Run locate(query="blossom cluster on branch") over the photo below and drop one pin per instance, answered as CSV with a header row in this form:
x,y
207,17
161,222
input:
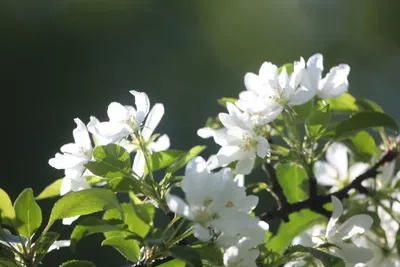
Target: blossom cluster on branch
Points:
x,y
325,155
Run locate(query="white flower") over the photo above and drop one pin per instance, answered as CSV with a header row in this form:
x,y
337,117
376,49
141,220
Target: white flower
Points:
x,y
388,223
332,85
213,200
381,258
74,157
269,92
241,255
335,170
242,142
337,235
126,121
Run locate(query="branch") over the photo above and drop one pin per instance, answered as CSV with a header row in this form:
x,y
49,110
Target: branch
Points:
x,y
316,202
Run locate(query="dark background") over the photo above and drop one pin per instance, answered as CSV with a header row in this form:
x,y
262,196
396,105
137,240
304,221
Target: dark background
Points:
x,y
65,59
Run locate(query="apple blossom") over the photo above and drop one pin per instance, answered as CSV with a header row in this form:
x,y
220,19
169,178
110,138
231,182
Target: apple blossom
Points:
x,y
242,142
241,255
335,170
334,84
337,235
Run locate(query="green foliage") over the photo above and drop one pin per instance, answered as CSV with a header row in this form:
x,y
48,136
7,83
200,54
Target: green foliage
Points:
x,y
326,259
224,100
303,111
344,103
317,121
27,213
111,161
187,254
362,144
129,248
76,263
210,253
125,184
7,212
298,223
173,263
368,105
364,120
289,68
43,245
138,217
182,161
53,190
290,177
93,225
82,203
162,159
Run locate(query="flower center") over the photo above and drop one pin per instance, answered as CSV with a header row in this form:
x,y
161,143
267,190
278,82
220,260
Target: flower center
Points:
x,y
248,143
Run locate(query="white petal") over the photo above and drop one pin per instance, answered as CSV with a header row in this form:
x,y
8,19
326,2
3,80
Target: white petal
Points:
x,y
248,204
325,173
69,221
262,147
301,96
201,233
315,67
239,179
268,71
142,103
228,154
160,144
59,244
337,212
153,119
212,162
357,169
245,165
252,82
71,148
337,156
195,166
283,80
81,135
352,254
206,132
178,206
66,161
356,224
117,112
139,163
74,185
335,83
111,132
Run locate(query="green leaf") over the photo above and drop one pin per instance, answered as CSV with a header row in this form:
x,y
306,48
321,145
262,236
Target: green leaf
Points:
x,y
298,223
173,263
187,254
28,213
83,202
327,260
364,120
210,253
398,242
53,190
94,225
345,102
363,143
290,177
10,263
129,248
111,161
113,215
368,105
164,158
125,184
182,161
303,111
43,245
6,253
317,121
224,100
76,263
133,220
7,212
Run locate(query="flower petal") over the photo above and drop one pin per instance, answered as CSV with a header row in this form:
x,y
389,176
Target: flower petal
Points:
x,y
142,103
356,224
352,254
245,165
228,154
69,221
335,82
178,206
153,119
315,66
201,233
337,212
139,163
262,146
117,112
325,173
160,144
337,156
357,169
81,135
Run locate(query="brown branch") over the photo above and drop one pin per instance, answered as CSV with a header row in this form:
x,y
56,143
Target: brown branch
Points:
x,y
316,202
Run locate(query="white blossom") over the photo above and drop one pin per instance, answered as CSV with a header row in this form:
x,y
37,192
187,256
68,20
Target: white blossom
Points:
x,y
335,170
338,234
242,141
334,84
127,122
241,255
213,201
270,91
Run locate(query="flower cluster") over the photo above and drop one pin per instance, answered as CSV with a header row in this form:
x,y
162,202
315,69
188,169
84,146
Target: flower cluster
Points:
x,y
127,126
219,209
245,132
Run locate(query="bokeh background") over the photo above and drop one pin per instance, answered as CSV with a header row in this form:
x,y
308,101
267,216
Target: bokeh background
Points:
x,y
62,59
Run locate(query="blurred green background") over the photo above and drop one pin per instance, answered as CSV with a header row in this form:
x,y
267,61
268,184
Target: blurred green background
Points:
x,y
71,58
